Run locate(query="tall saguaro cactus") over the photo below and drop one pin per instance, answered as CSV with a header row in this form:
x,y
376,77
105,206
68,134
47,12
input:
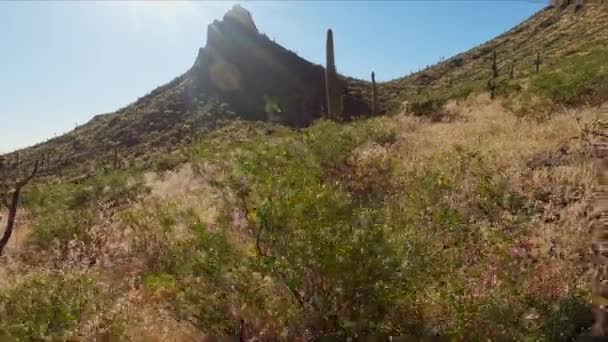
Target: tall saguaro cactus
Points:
x,y
115,158
538,62
374,95
334,103
492,81
494,65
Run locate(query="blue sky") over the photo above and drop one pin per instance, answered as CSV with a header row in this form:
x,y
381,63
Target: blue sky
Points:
x,y
61,63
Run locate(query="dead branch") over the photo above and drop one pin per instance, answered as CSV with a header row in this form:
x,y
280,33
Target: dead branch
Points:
x,y
12,207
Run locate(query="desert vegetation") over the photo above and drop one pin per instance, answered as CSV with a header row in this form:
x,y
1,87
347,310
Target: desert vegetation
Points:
x,y
390,226
461,215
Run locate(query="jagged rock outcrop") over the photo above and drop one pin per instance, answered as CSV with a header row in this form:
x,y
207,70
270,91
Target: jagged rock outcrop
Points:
x,y
247,68
239,73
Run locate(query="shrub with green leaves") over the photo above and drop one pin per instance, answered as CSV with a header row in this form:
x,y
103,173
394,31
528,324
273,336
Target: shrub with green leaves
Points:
x,y
64,226
299,250
426,105
65,210
50,305
318,259
333,255
207,280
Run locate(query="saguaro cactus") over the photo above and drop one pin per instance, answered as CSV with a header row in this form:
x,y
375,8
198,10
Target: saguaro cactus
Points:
x,y
538,62
512,71
494,66
492,88
115,158
374,95
492,81
48,160
334,102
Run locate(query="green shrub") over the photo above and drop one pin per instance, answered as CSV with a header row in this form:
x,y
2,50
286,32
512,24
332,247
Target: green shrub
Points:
x,y
495,196
426,105
463,91
50,305
334,255
63,226
207,281
508,87
327,258
320,257
64,211
116,186
567,320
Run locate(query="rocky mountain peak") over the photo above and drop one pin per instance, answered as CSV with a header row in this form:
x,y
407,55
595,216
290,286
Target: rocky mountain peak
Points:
x,y
247,69
241,16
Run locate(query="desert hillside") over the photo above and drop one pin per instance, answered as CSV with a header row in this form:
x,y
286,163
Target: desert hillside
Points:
x,y
267,75
449,215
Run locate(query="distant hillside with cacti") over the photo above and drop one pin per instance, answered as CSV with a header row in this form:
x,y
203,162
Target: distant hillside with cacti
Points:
x,y
227,83
239,74
549,40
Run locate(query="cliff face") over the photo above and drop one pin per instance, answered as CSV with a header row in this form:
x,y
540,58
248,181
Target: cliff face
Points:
x,y
248,70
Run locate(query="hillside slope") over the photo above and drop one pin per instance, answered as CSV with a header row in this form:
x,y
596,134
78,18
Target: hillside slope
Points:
x,y
240,70
558,34
237,74
473,230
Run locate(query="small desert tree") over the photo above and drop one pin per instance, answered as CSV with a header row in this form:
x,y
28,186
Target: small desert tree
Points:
x,y
12,204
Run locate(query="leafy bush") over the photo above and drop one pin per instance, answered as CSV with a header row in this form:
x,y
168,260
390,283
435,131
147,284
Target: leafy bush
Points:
x,y
334,255
64,226
207,280
508,87
327,261
50,305
64,211
567,320
116,186
461,92
426,105
350,265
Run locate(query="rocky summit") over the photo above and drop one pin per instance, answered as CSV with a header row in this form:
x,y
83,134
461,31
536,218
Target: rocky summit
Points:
x,y
248,70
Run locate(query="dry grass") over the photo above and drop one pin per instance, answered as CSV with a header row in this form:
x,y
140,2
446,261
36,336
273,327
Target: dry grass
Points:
x,y
487,128
552,245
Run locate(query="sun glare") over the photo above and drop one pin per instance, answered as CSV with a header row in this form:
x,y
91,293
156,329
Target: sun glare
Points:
x,y
170,13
